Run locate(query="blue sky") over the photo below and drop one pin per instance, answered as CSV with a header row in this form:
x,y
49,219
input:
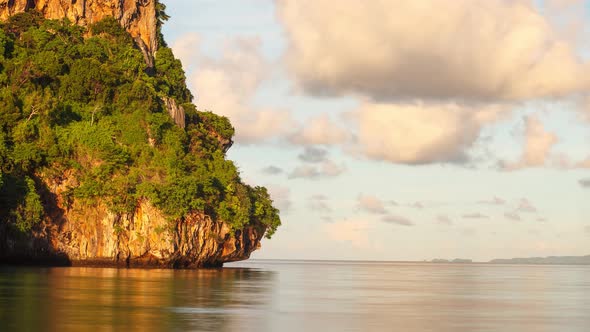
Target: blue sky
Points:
x,y
458,136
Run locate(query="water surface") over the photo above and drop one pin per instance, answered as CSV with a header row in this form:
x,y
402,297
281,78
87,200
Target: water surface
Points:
x,y
299,296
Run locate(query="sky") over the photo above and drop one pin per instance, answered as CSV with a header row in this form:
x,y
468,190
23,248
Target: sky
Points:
x,y
402,129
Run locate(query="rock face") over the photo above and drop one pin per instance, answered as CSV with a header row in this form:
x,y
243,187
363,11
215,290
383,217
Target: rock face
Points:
x,y
138,17
175,111
91,235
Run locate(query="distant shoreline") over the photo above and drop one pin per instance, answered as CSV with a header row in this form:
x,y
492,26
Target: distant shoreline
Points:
x,y
550,260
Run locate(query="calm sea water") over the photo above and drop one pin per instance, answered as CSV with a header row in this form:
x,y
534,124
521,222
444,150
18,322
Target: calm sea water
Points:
x,y
299,296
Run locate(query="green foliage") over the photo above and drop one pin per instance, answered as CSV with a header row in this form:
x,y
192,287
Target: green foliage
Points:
x,y
20,202
19,23
161,17
88,107
110,28
170,77
218,124
30,210
264,211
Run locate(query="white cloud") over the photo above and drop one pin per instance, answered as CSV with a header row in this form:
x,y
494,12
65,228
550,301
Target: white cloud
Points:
x,y
313,155
281,197
272,170
319,203
398,220
584,164
405,49
186,49
537,148
526,206
331,169
475,215
320,130
228,84
443,219
371,204
494,201
421,133
512,216
417,205
569,18
326,169
353,231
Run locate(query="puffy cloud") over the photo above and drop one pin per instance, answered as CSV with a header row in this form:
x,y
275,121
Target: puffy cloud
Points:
x,y
352,231
186,49
494,201
227,86
585,183
569,17
417,205
327,219
272,170
305,172
467,231
371,204
476,215
398,220
445,220
421,133
538,145
404,49
526,206
331,169
584,164
582,105
313,155
319,203
320,130
512,216
281,197
326,169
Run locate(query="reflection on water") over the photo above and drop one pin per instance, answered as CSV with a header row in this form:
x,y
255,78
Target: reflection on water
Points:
x,y
299,296
74,299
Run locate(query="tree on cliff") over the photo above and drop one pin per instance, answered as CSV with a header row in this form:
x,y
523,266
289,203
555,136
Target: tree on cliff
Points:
x,y
86,107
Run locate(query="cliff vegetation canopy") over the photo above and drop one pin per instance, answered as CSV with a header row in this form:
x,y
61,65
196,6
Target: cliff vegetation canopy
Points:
x,y
88,108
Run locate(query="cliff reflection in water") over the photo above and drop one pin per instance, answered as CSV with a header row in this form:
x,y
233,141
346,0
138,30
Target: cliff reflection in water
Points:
x,y
294,296
77,299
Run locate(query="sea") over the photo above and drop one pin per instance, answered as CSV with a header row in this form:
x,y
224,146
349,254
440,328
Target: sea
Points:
x,y
261,295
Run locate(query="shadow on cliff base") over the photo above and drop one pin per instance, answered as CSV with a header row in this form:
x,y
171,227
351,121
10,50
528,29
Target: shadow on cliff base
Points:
x,y
28,248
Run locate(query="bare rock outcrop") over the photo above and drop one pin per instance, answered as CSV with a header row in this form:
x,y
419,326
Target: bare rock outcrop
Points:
x,y
138,17
90,234
175,111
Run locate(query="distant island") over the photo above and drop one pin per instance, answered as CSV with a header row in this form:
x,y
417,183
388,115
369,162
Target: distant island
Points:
x,y
454,261
551,260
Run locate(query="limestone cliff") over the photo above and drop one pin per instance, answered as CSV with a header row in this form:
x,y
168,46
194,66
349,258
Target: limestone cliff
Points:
x,y
138,17
89,234
99,134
